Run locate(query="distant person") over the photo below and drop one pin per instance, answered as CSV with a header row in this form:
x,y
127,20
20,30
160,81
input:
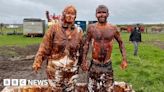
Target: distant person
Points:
x,y
101,34
135,37
1,27
62,46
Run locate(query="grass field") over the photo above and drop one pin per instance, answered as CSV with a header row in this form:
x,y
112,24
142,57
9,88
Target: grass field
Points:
x,y
145,71
18,40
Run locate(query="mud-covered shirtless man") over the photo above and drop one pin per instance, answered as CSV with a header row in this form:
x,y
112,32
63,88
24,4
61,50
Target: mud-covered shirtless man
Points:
x,y
101,34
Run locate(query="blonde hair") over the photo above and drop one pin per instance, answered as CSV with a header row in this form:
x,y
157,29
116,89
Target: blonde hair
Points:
x,y
68,7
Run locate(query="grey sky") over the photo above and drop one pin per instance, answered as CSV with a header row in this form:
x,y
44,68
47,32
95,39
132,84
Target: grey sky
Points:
x,y
121,11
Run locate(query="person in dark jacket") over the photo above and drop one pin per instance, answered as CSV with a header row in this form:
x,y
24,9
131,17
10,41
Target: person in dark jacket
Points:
x,y
135,37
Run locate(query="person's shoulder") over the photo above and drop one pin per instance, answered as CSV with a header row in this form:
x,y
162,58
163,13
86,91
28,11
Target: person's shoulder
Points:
x,y
54,28
58,24
112,26
92,26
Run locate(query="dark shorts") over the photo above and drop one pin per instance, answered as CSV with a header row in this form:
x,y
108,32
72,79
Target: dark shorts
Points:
x,y
100,77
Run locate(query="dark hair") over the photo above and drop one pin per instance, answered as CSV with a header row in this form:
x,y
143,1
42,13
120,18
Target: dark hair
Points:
x,y
101,7
135,28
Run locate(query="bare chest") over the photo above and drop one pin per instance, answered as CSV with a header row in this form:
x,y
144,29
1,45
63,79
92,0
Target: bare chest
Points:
x,y
103,35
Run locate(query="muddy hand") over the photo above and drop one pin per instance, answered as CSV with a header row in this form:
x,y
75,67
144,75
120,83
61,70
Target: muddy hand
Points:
x,y
124,64
84,66
36,67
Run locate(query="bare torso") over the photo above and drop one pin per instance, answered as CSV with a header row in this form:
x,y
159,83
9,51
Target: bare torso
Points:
x,y
102,37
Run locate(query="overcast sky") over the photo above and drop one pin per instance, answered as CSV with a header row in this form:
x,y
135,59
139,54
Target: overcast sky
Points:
x,y
121,11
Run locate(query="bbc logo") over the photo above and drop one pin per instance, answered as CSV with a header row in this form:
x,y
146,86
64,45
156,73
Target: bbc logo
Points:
x,y
6,82
14,82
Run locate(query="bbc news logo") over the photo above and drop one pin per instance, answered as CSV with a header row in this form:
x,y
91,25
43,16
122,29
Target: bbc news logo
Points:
x,y
23,82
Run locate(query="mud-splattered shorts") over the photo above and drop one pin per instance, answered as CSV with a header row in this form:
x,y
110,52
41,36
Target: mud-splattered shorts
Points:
x,y
100,77
62,75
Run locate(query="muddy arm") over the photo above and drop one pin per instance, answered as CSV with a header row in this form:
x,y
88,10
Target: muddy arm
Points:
x,y
81,48
86,47
45,47
124,63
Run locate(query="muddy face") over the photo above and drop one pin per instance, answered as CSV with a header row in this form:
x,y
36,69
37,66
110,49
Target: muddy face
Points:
x,y
102,14
70,15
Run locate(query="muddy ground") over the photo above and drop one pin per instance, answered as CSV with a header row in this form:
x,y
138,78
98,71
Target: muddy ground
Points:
x,y
16,63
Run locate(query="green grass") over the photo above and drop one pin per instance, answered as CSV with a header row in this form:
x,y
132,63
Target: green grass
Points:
x,y
145,37
18,40
145,72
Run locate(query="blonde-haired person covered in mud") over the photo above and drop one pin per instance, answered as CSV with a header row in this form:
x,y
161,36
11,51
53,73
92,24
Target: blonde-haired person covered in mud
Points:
x,y
62,46
101,34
